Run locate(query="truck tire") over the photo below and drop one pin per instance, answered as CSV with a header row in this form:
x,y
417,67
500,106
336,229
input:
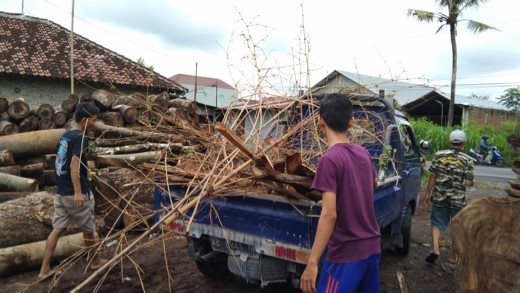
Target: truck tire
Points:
x,y
215,267
406,233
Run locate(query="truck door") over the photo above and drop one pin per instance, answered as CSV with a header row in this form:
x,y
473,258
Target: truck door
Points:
x,y
411,168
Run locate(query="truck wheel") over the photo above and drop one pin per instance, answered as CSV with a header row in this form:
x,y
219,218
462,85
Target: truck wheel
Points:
x,y
500,163
216,266
406,233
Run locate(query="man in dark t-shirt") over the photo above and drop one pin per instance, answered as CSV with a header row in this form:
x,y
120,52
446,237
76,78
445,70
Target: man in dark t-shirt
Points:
x,y
73,200
347,226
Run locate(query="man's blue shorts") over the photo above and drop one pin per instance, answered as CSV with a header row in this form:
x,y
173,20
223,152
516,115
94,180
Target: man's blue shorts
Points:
x,y
358,276
441,216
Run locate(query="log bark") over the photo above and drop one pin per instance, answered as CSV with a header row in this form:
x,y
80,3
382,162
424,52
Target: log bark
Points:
x,y
114,142
29,123
135,100
32,170
112,118
100,127
104,98
49,178
11,170
45,111
69,104
26,219
160,101
127,160
4,104
16,183
44,124
187,105
129,113
18,109
29,256
6,158
60,118
10,195
106,195
8,128
34,143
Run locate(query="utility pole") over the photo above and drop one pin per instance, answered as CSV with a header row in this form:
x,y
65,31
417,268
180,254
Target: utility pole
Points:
x,y
195,93
216,93
72,50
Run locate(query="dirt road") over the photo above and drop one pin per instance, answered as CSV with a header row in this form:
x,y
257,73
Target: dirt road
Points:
x,y
160,259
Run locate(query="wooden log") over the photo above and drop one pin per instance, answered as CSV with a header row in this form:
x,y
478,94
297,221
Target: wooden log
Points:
x,y
31,170
4,104
69,104
60,118
29,256
29,123
8,128
44,124
11,170
135,100
45,111
106,195
18,109
6,158
126,160
16,183
114,142
49,161
24,145
10,195
127,149
129,113
179,113
187,105
104,98
160,101
112,118
26,219
100,127
49,178
87,97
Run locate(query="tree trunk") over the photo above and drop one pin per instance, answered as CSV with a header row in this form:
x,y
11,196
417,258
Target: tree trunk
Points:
x,y
28,124
45,124
18,109
134,100
49,178
129,113
27,257
11,170
45,111
127,149
8,128
26,219
69,104
10,195
112,118
451,111
6,158
24,145
125,132
60,118
4,104
127,160
32,170
114,142
15,183
106,195
104,98
189,106
160,101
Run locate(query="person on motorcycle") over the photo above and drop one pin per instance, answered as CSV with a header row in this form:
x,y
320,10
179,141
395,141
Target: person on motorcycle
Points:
x,y
485,148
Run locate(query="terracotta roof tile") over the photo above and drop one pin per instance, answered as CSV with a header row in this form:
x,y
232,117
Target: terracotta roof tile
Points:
x,y
38,47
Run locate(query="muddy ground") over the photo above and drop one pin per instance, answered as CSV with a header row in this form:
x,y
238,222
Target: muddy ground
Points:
x,y
160,259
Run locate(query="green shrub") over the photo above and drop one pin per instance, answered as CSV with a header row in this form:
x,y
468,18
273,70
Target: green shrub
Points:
x,y
438,136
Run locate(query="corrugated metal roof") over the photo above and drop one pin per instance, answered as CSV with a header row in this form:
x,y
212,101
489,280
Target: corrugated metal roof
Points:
x,y
406,92
31,46
201,81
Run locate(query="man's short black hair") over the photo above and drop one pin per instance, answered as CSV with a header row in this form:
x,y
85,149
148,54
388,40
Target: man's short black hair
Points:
x,y
336,111
85,110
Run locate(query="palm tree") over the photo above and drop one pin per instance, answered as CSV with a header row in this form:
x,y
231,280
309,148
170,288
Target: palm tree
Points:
x,y
455,8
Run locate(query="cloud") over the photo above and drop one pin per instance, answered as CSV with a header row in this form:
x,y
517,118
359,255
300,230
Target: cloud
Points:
x,y
157,18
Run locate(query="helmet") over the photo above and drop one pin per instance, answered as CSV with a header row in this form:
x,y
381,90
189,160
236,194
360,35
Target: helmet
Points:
x,y
485,137
457,136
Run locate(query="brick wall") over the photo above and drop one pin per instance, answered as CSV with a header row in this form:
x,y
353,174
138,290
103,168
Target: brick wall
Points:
x,y
490,117
36,91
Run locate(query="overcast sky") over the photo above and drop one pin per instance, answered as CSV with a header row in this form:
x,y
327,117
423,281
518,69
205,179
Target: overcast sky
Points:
x,y
373,37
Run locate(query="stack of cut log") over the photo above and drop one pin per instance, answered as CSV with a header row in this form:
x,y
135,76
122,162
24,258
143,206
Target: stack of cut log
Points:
x,y
514,190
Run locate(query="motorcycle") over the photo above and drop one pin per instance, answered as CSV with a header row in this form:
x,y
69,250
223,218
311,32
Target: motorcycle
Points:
x,y
496,159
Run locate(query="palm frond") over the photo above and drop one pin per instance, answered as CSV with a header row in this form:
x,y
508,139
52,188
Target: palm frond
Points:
x,y
421,15
478,27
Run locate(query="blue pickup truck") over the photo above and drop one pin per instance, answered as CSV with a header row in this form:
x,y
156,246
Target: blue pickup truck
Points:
x,y
267,238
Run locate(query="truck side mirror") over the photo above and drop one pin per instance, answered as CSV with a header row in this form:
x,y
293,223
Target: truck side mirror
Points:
x,y
424,145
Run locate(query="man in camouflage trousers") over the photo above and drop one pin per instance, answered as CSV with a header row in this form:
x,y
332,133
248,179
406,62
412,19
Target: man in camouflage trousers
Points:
x,y
451,171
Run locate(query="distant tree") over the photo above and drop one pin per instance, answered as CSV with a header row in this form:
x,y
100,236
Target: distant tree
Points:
x,y
511,99
455,8
475,96
140,61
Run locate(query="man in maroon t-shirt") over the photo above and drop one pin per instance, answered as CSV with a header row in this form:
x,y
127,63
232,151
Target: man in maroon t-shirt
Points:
x,y
347,226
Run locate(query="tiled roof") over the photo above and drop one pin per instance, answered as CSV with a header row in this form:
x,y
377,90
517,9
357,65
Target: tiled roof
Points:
x,y
37,47
201,81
